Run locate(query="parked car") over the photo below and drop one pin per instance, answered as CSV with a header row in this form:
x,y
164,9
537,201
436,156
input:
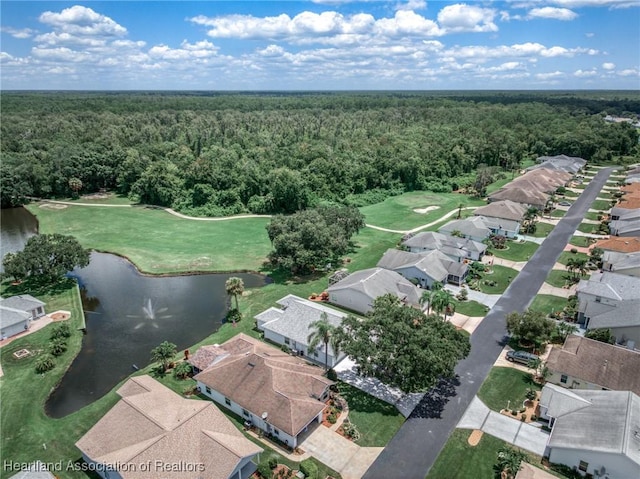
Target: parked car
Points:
x,y
564,203
522,357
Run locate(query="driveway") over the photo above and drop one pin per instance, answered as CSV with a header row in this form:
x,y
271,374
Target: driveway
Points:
x,y
482,298
417,444
509,429
340,454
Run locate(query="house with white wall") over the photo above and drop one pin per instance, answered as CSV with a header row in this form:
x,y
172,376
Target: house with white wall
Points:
x,y
583,363
17,313
458,249
593,432
274,391
621,263
424,268
154,432
473,228
359,290
290,326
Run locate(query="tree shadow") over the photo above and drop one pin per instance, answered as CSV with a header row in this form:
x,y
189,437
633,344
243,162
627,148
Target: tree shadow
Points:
x,y
283,277
433,402
37,286
366,403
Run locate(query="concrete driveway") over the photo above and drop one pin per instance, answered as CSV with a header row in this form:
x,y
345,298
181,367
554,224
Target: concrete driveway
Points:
x,y
340,454
511,430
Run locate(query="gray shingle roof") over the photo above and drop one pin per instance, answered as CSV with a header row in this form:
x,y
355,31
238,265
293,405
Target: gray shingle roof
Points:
x,y
376,282
609,423
614,286
623,315
570,164
11,316
23,302
531,197
439,241
624,214
621,261
508,210
431,264
294,319
472,227
625,227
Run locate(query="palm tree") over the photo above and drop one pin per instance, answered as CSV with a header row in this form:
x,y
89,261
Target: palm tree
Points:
x,y
324,332
234,287
427,296
529,219
440,300
164,353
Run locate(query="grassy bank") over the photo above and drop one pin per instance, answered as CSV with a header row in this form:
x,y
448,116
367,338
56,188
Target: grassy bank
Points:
x,y
158,242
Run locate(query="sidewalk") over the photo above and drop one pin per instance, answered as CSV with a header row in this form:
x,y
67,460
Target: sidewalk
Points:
x,y
546,288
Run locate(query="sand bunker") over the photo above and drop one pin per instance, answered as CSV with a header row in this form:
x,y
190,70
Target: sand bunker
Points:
x,y
97,196
53,206
425,210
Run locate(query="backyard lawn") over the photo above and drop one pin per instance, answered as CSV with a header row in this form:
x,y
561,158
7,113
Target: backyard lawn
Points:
x,y
397,212
376,420
471,308
516,250
158,242
501,276
506,386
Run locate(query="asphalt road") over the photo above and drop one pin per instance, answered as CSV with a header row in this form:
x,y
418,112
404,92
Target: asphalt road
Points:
x,y
415,447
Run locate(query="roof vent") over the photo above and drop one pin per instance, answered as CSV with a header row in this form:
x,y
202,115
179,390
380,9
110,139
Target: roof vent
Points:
x,y
251,364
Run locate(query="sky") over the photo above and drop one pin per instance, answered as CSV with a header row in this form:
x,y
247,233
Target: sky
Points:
x,y
320,45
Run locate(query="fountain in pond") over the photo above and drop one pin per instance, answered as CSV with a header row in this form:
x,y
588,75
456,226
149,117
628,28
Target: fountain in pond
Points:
x,y
150,314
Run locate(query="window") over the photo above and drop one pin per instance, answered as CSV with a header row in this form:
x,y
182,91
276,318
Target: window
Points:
x,y
315,353
208,389
275,431
245,413
563,379
583,466
227,401
598,299
286,340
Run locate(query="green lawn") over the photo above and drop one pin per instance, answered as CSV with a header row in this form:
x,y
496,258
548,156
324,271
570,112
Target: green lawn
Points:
x,y
558,213
588,228
471,308
559,278
592,216
500,276
496,185
601,205
158,242
25,426
572,194
546,303
376,420
516,250
565,256
459,460
582,241
506,386
542,230
396,212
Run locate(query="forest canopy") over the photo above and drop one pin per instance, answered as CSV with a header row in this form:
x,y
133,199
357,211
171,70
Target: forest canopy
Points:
x,y
221,154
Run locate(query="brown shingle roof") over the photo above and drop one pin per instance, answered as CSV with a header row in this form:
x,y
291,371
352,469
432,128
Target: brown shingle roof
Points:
x,y
506,209
265,379
599,363
621,244
629,203
152,423
206,356
632,189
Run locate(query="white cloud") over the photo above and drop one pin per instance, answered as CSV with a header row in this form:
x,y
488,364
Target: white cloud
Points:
x,y
608,66
589,34
629,72
20,33
549,75
188,51
406,23
79,20
596,3
412,5
481,53
467,18
552,13
585,73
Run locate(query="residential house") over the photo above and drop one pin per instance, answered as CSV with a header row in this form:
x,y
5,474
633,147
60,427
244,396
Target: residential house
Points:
x,y
359,290
528,197
624,214
290,325
424,268
153,432
567,164
532,188
503,210
621,263
206,356
625,228
610,300
619,244
628,203
458,249
593,432
17,312
473,228
274,391
583,363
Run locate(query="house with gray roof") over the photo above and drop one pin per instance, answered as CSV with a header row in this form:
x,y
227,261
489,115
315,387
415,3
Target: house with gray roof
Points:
x,y
583,363
612,301
621,263
503,210
568,164
625,227
17,312
473,228
359,290
529,197
456,248
593,432
424,268
624,214
290,325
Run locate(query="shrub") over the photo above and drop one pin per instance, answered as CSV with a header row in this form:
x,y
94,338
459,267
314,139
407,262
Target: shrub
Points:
x,y
523,417
45,363
61,330
264,470
531,394
57,346
182,370
309,469
351,431
574,250
332,418
285,349
534,417
273,462
514,412
332,375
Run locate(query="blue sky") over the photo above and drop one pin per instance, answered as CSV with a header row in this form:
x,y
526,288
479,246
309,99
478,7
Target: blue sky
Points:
x,y
320,45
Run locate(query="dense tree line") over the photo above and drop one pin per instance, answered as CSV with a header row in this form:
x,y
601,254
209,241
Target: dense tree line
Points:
x,y
218,154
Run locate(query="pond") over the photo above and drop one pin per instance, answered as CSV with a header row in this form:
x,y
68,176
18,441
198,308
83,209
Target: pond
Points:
x,y
17,225
128,314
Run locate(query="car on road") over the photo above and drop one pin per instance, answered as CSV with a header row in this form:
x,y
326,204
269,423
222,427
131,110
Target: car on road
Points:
x,y
564,203
522,357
